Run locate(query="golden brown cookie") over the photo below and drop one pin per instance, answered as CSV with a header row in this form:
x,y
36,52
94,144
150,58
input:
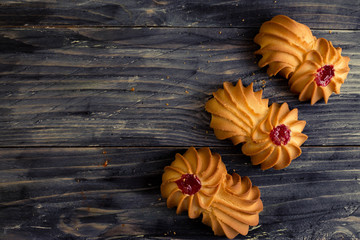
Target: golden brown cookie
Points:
x,y
322,72
199,183
276,141
271,136
235,111
314,67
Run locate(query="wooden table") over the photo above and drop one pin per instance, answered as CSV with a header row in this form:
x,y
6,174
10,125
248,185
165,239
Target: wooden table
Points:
x,y
96,97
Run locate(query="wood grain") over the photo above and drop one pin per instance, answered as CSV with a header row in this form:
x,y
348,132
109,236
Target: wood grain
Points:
x,y
316,14
147,86
68,192
96,97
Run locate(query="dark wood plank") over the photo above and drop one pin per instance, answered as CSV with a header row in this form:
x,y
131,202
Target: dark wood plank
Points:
x,y
63,193
316,14
147,87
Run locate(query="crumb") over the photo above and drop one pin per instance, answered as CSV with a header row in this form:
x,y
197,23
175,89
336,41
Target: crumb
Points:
x,y
330,31
253,74
206,131
275,1
174,233
105,164
132,89
186,91
243,20
167,77
166,104
219,32
234,170
104,152
263,82
159,199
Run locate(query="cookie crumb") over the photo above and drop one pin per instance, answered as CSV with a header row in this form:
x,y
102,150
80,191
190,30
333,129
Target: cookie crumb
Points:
x,y
186,91
330,31
263,82
132,89
105,164
166,104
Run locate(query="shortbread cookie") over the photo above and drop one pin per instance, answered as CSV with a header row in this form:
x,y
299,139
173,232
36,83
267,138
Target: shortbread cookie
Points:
x,y
276,141
322,72
271,136
314,67
235,111
199,183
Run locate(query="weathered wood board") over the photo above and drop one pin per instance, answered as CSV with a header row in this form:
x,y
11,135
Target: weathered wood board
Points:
x,y
109,87
96,97
336,14
67,192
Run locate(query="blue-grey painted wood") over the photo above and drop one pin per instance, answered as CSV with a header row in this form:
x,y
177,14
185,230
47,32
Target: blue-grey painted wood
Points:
x,y
69,193
321,14
147,86
96,97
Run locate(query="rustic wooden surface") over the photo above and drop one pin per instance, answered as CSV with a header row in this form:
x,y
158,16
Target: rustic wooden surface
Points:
x,y
96,98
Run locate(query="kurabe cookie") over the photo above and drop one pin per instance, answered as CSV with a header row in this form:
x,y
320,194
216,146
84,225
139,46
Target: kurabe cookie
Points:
x,y
198,182
272,136
314,67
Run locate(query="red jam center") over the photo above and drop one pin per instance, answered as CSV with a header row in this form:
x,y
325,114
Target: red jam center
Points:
x,y
280,135
189,184
324,75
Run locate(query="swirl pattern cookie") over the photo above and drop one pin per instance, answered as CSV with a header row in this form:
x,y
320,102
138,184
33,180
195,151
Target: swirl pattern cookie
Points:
x,y
283,44
199,183
272,136
277,139
235,111
322,72
314,67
